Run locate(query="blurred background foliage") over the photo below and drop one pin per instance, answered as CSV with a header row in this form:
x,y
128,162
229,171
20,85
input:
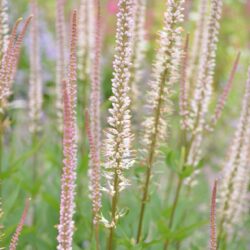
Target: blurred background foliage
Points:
x,y
17,177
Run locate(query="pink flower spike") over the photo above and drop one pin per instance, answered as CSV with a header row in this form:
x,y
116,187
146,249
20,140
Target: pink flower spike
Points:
x,y
17,50
14,240
213,245
222,99
184,113
60,54
94,172
10,60
95,94
67,205
35,84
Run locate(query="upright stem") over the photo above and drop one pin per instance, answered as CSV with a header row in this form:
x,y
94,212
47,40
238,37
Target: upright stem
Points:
x,y
169,188
143,204
1,151
176,199
113,212
34,175
179,185
221,234
97,236
150,161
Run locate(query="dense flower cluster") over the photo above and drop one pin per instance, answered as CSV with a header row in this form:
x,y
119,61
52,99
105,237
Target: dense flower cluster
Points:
x,y
10,60
118,136
118,153
15,237
200,34
86,38
203,88
35,88
61,57
183,99
213,235
4,33
138,48
94,172
234,187
94,128
67,206
166,73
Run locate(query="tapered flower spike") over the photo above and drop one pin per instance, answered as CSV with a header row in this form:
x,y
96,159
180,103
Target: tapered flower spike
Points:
x,y
5,69
15,237
61,61
86,45
183,102
203,88
138,49
118,155
67,204
166,68
213,237
200,36
118,137
165,74
95,179
94,173
234,186
17,50
222,99
35,87
10,60
95,95
4,33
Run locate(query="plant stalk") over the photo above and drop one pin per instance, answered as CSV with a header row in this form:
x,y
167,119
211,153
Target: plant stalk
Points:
x,y
97,242
150,164
176,199
1,151
34,175
113,212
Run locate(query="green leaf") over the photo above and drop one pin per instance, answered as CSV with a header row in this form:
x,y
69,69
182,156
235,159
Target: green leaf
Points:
x,y
178,234
171,160
201,164
187,171
185,232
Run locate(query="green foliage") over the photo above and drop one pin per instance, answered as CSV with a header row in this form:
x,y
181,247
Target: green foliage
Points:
x,y
16,172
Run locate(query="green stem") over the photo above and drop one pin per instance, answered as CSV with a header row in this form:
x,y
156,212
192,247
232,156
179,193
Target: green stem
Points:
x,y
221,239
150,159
1,153
34,175
113,211
97,242
169,188
172,215
143,204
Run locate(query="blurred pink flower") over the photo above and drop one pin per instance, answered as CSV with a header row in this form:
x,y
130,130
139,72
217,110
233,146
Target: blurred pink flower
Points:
x,y
112,6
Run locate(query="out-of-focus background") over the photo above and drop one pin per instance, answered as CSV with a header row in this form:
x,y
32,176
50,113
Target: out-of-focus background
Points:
x,y
17,182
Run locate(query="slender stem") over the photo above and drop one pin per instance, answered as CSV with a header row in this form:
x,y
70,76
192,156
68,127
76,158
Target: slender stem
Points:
x,y
176,199
169,188
221,234
1,151
113,211
34,175
150,160
97,242
183,218
143,204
